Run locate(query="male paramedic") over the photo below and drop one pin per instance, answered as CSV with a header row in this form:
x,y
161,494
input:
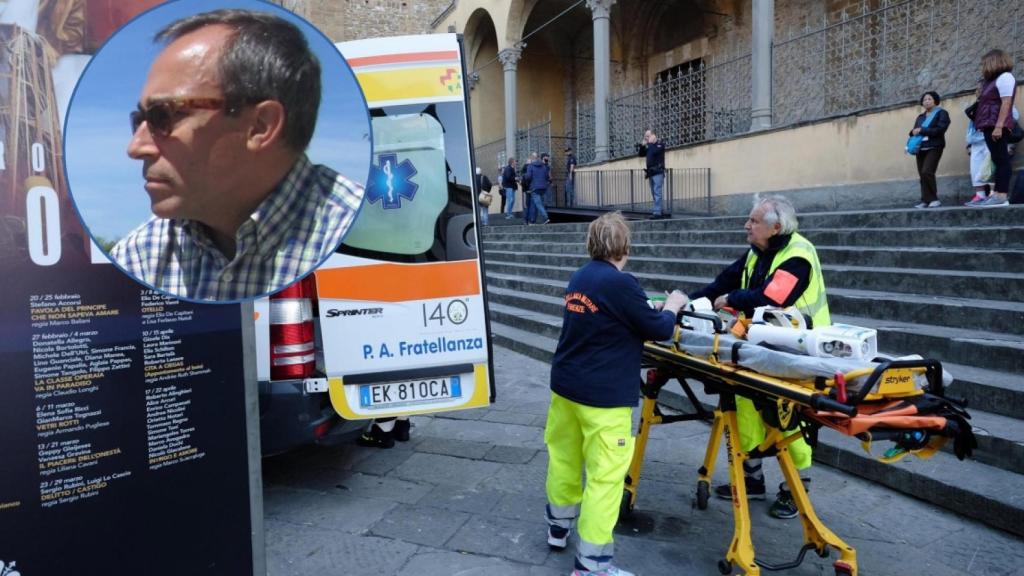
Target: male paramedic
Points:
x,y
780,269
594,386
226,113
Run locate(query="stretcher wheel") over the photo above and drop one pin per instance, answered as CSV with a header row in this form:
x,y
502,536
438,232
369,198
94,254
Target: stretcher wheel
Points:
x,y
626,505
725,567
703,491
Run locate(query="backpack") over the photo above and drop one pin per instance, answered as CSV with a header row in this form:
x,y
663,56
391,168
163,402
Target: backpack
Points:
x,y
1016,195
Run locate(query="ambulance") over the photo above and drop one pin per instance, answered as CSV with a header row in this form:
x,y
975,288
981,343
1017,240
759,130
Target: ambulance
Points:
x,y
395,322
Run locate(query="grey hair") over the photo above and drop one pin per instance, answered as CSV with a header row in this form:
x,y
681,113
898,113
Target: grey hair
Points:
x,y
265,58
777,209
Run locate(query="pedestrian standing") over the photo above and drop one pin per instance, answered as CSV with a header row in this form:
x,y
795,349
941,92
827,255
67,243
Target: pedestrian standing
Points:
x,y
594,387
527,195
653,150
929,137
994,119
570,178
484,196
538,173
509,183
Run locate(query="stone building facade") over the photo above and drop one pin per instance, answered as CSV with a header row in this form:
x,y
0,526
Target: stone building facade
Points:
x,y
686,66
343,20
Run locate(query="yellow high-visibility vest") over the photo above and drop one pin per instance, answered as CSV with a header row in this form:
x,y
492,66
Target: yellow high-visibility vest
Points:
x,y
812,303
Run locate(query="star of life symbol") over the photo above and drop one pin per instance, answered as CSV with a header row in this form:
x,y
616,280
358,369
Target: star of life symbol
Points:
x,y
8,569
390,181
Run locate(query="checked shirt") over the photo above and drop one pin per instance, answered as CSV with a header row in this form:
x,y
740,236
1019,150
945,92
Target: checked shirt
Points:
x,y
296,227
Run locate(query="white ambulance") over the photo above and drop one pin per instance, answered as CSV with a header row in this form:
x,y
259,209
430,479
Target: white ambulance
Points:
x,y
395,323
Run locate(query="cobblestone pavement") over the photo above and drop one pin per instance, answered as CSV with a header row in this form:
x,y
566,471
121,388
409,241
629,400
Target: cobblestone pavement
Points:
x,y
466,497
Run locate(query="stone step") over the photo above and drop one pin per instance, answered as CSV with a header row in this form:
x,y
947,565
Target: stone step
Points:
x,y
543,315
993,315
1004,286
996,260
998,237
992,495
999,392
957,217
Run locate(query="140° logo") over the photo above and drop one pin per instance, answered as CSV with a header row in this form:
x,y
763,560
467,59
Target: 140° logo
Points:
x,y
453,311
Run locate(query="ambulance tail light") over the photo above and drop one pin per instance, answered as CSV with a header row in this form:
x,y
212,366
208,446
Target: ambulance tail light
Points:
x,y
292,339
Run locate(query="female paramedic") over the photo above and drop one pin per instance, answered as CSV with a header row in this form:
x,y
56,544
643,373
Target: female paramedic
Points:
x,y
595,384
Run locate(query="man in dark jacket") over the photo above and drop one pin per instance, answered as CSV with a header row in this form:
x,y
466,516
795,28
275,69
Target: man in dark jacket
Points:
x,y
654,151
570,177
524,181
509,182
539,175
781,268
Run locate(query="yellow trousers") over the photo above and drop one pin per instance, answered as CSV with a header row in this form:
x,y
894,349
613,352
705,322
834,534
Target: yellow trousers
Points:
x,y
752,433
600,441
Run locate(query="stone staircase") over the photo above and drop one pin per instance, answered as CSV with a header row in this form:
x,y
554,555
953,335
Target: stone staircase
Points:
x,y
944,283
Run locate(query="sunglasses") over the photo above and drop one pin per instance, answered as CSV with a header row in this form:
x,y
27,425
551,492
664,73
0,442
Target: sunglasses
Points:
x,y
161,115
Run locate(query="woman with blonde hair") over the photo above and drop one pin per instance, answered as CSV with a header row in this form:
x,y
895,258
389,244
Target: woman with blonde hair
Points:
x,y
594,386
994,119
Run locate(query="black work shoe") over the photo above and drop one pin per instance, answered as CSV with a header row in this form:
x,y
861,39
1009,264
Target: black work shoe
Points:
x,y
755,490
376,438
784,507
401,430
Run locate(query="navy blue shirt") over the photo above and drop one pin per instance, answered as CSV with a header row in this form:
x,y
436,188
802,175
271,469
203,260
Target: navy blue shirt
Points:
x,y
570,162
539,175
655,157
508,177
604,326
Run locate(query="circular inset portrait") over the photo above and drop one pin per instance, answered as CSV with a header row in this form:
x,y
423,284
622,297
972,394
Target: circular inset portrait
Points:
x,y
217,150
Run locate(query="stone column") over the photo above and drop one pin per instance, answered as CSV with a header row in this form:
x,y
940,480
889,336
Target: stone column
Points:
x,y
602,74
761,64
509,58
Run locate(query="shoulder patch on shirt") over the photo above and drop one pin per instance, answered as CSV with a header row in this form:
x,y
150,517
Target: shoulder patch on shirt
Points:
x,y
579,303
780,287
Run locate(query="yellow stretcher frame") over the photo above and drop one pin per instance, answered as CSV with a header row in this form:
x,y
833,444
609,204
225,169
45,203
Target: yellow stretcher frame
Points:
x,y
726,381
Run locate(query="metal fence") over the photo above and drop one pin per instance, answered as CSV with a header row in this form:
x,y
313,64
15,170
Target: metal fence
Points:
x,y
686,190
694,105
873,54
493,156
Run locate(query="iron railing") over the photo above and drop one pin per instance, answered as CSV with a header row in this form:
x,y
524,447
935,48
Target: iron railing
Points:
x,y
873,54
695,105
685,190
492,156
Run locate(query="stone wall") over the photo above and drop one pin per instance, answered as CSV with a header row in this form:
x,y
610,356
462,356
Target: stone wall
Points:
x,y
343,20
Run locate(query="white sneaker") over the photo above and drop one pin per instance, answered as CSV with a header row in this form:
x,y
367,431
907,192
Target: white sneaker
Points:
x,y
992,201
556,540
934,204
609,571
921,205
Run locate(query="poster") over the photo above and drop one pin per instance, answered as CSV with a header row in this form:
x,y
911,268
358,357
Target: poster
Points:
x,y
123,433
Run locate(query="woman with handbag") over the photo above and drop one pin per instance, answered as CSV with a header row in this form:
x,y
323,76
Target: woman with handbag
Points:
x,y
484,196
927,141
995,121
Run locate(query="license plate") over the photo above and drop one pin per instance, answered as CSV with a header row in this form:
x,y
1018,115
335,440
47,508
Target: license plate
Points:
x,y
392,394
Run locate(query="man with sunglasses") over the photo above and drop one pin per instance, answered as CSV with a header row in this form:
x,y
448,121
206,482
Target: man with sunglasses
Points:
x,y
223,122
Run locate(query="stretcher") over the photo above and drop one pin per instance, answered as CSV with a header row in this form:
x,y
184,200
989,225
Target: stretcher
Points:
x,y
899,401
